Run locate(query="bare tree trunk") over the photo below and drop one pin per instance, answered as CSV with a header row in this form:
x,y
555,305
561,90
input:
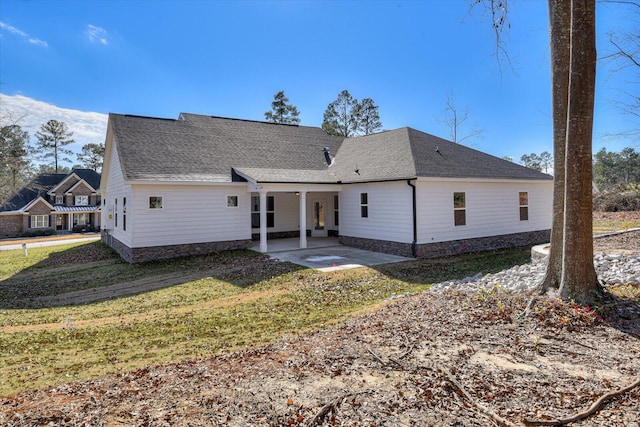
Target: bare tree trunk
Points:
x,y
560,34
579,280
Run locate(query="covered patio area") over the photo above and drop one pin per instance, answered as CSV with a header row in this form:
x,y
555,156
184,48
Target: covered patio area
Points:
x,y
326,254
293,244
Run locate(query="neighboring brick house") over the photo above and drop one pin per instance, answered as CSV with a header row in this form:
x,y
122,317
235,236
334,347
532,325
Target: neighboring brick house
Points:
x,y
60,202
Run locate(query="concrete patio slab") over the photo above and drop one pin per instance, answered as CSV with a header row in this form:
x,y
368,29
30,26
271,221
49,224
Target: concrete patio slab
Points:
x,y
336,258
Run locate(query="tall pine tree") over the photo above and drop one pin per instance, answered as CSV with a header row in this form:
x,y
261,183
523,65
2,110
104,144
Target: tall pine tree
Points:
x,y
92,156
347,117
53,136
282,111
368,117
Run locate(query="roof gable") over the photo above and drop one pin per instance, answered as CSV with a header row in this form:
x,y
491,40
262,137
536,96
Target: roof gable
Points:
x,y
377,157
79,184
40,200
437,157
89,176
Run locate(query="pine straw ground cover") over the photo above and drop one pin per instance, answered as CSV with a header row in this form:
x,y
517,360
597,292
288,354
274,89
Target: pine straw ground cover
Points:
x,y
426,360
450,359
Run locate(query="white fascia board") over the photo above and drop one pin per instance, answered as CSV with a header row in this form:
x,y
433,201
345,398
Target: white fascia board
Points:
x,y
63,181
33,202
245,176
109,142
487,180
308,188
70,190
134,182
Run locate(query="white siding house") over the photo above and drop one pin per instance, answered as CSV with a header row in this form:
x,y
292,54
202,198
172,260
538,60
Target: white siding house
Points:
x,y
201,184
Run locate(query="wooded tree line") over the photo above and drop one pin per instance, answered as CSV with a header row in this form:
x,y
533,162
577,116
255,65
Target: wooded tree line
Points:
x,y
20,161
609,168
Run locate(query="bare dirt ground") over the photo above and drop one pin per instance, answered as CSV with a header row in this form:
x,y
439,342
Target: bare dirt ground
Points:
x,y
426,360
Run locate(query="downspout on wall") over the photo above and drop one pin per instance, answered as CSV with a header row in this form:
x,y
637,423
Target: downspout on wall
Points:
x,y
414,247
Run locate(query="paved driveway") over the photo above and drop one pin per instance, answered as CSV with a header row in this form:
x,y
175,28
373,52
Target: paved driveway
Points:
x,y
35,242
336,258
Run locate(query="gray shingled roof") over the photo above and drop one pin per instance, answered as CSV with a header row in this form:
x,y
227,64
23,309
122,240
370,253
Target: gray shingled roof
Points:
x,y
90,176
204,148
407,153
41,184
201,148
453,160
322,176
34,189
382,156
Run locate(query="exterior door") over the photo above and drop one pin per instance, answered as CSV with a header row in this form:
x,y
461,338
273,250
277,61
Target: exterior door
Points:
x,y
59,222
319,215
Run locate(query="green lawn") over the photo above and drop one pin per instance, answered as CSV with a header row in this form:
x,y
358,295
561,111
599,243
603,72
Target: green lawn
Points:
x,y
241,299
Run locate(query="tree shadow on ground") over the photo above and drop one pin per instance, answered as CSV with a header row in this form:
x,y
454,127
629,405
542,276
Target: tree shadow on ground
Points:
x,y
622,309
435,270
92,272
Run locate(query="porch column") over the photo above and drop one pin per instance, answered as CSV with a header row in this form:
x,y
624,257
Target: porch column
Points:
x,y
263,221
70,216
303,219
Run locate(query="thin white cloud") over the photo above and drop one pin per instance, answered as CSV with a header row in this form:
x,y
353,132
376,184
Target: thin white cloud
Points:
x,y
22,34
38,42
13,30
97,34
87,127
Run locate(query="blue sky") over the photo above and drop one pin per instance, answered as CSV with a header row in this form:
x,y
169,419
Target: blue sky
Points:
x,y
224,58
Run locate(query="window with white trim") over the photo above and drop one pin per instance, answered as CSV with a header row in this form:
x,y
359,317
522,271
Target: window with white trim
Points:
x,y
81,200
39,221
364,205
255,212
59,200
524,206
459,209
124,213
81,218
156,202
115,213
336,211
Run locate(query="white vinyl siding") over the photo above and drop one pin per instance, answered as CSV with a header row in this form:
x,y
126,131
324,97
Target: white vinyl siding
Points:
x,y
190,214
116,189
390,210
492,208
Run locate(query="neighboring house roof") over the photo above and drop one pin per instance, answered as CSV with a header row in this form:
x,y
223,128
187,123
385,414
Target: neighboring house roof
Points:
x,y
91,177
42,184
38,187
215,149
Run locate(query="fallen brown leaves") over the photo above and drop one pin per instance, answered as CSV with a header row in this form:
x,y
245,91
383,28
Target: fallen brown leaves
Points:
x,y
449,359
